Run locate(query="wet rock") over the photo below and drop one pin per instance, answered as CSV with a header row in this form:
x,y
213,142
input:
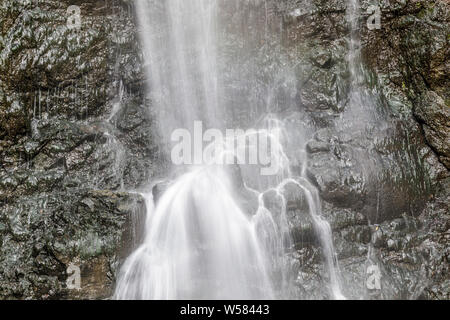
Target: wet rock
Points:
x,y
57,89
246,198
48,232
302,229
322,58
274,202
159,189
393,244
323,91
295,197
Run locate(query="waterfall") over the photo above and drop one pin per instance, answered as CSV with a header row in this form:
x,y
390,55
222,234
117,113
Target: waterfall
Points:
x,y
361,112
210,234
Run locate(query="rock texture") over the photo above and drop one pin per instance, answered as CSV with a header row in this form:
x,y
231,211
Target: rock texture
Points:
x,y
65,160
76,134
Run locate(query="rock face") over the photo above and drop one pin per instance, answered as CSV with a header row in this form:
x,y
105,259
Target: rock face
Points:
x,y
76,131
384,187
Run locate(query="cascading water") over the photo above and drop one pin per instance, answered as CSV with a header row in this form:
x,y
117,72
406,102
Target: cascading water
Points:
x,y
201,242
364,117
323,229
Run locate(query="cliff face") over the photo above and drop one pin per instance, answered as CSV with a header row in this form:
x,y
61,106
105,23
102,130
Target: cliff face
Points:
x,y
76,132
395,174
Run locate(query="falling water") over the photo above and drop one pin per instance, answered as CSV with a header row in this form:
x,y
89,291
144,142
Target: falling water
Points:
x,y
199,242
361,112
200,245
323,229
202,241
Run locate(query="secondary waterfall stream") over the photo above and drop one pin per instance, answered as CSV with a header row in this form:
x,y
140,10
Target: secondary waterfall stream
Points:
x,y
202,241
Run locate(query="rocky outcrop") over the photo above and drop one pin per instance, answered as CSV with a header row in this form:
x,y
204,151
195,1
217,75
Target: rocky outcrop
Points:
x,y
74,134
